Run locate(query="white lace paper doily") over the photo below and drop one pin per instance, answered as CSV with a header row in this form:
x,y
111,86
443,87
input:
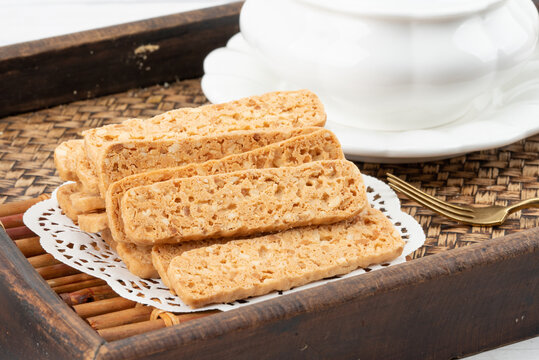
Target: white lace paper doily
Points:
x,y
88,253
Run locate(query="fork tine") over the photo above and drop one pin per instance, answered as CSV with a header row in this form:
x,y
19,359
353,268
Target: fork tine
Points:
x,y
448,212
417,194
393,179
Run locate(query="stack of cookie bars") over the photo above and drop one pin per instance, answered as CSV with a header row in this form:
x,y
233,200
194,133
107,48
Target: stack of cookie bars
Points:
x,y
226,201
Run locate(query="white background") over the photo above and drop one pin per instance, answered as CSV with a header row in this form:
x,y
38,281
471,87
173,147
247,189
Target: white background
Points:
x,y
25,20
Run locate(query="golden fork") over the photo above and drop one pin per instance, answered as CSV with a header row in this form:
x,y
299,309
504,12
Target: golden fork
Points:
x,y
487,216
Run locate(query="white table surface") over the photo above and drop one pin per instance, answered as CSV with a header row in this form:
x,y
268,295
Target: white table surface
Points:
x,y
25,20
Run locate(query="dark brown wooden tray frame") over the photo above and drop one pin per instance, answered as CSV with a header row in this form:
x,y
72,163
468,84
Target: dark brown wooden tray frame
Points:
x,y
442,306
57,70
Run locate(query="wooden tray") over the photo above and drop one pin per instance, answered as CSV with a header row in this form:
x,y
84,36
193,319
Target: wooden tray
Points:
x,y
471,292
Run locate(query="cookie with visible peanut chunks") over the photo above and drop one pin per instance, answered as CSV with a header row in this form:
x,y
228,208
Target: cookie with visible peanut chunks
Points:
x,y
127,158
320,144
272,110
243,203
162,255
138,259
86,175
93,222
238,269
63,195
85,202
65,158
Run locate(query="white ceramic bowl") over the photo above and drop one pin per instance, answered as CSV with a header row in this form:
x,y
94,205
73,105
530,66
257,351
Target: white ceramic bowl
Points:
x,y
394,64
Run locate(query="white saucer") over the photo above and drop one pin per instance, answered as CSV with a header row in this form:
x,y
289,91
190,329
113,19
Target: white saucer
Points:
x,y
235,71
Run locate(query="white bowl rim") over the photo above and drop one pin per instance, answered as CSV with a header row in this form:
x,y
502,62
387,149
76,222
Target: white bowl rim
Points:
x,y
415,9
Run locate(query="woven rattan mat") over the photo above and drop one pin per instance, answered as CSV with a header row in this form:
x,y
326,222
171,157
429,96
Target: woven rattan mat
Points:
x,y
499,176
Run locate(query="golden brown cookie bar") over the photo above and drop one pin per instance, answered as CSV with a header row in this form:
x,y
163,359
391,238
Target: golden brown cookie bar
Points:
x,y
138,259
127,158
239,269
318,145
278,109
243,203
86,175
93,222
63,195
72,164
107,237
85,202
162,255
65,158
